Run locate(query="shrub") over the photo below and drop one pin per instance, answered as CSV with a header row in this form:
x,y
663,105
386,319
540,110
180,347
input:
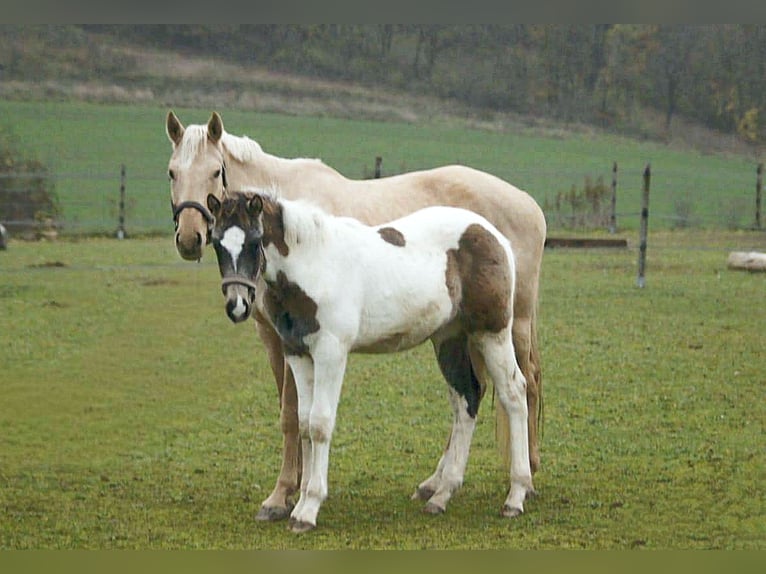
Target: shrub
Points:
x,y
578,209
27,202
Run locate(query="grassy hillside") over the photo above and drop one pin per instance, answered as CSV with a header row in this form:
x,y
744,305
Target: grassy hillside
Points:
x,y
84,145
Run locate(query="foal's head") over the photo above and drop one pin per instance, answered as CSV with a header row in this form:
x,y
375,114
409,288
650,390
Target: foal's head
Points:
x,y
236,238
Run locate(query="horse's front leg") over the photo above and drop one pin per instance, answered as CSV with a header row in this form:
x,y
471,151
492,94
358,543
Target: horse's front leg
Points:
x,y
278,504
316,422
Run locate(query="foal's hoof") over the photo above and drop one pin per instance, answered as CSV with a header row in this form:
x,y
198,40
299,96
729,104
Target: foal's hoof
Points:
x,y
300,526
432,508
423,494
273,513
509,512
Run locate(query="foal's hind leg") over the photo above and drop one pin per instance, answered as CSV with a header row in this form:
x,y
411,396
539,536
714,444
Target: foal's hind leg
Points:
x,y
453,463
465,395
510,384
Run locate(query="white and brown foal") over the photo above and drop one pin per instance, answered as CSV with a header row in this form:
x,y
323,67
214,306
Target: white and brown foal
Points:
x,y
331,286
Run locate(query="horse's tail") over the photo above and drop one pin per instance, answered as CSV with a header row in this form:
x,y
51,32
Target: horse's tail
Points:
x,y
537,374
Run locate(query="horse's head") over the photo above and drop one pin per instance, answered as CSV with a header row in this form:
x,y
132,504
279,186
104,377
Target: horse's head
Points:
x,y
196,170
236,237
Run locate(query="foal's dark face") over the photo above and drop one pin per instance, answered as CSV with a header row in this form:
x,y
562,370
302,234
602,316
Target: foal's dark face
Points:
x,y
236,238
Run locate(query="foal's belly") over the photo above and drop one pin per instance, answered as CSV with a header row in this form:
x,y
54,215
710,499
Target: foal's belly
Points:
x,y
390,334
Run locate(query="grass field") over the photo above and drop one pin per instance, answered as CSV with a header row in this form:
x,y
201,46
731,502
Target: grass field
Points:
x,y
135,415
85,144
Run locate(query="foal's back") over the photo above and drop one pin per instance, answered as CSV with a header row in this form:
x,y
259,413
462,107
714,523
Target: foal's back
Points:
x,y
403,281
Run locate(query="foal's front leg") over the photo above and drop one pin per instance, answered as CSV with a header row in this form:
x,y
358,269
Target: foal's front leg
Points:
x,y
278,504
316,423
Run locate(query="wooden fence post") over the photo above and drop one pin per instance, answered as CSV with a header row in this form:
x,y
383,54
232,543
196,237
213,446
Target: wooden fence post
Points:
x,y
613,214
121,223
758,194
641,281
378,164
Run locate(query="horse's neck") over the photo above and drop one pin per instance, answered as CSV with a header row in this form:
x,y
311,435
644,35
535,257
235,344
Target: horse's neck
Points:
x,y
261,169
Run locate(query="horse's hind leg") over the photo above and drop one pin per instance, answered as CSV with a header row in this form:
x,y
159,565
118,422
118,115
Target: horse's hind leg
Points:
x,y
278,504
465,394
510,385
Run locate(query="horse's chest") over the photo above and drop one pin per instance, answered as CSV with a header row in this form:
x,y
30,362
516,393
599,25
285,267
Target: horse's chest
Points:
x,y
292,313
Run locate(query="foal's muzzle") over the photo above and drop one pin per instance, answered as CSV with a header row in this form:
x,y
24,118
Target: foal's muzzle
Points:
x,y
240,296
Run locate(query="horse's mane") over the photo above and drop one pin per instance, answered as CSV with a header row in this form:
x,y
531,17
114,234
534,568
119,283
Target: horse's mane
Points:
x,y
241,148
245,150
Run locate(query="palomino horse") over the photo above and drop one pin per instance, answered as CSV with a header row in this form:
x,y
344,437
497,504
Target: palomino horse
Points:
x,y
332,285
206,159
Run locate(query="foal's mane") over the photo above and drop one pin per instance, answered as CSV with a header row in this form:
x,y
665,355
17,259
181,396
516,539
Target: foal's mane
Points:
x,y
305,224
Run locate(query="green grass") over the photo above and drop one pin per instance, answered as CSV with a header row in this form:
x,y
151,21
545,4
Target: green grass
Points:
x,y
85,144
135,415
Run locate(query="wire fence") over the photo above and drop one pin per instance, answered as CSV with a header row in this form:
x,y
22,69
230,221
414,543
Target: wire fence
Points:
x,y
123,203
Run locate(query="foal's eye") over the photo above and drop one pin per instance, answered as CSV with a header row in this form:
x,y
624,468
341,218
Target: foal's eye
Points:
x,y
217,174
171,175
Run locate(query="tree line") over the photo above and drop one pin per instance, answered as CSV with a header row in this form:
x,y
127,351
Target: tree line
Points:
x,y
594,73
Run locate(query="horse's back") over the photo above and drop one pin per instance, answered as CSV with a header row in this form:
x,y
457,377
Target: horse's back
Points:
x,y
511,210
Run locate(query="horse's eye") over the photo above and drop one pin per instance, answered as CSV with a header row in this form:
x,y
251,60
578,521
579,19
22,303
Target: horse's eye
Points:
x,y
171,175
217,174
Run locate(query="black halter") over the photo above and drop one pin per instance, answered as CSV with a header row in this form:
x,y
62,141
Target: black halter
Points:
x,y
207,216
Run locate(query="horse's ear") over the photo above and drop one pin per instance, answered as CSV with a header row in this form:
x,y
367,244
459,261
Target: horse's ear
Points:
x,y
174,128
215,127
213,204
255,205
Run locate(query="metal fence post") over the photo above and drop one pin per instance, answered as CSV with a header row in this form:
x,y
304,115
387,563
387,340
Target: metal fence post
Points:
x,y
641,281
121,223
613,214
758,194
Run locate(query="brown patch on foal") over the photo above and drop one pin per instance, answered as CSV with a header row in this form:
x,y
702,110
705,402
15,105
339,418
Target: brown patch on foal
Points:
x,y
478,279
292,312
274,227
392,236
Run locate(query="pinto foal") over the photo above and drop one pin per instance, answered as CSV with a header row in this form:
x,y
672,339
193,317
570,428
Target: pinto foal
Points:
x,y
331,286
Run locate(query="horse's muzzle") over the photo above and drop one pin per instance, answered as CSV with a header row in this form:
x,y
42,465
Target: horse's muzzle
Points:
x,y
191,250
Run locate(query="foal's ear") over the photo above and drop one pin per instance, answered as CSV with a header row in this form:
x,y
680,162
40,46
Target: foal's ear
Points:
x,y
213,204
255,205
215,128
174,128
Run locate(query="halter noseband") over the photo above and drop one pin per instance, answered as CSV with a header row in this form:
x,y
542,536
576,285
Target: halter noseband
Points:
x,y
237,280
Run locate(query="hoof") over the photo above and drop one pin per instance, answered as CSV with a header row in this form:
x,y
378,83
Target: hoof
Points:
x,y
431,508
509,512
300,526
423,494
273,513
